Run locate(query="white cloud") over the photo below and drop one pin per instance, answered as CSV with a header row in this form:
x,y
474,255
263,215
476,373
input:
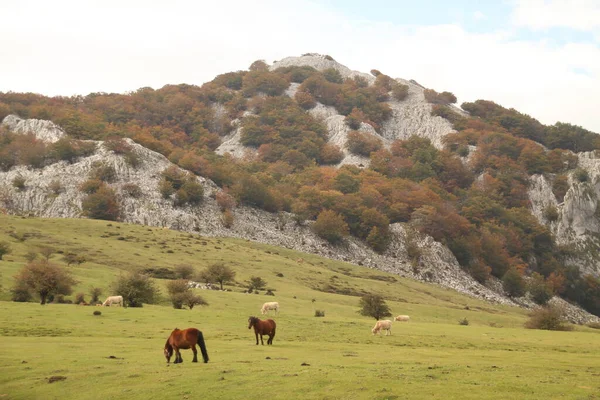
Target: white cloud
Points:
x,y
72,47
582,15
478,16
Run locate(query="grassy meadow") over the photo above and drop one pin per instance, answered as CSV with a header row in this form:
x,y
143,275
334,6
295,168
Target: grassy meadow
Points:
x,y
118,355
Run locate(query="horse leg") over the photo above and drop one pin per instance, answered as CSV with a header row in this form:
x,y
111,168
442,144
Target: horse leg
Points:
x,y
178,358
195,354
261,340
256,334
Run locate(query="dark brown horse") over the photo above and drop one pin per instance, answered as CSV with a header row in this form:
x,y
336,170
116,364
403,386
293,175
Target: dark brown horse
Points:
x,y
261,328
185,339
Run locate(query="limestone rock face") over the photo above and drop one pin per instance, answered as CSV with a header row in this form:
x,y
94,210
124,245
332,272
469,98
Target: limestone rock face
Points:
x,y
578,221
44,130
411,116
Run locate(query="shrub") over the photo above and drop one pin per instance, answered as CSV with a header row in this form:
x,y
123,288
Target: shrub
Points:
x,y
72,258
55,187
305,99
330,154
439,98
330,226
45,279
399,91
551,213
132,190
20,292
463,321
540,292
373,305
102,204
97,312
95,293
560,186
319,313
19,182
91,186
224,200
184,271
581,175
4,249
256,283
355,118
191,193
227,219
333,75
513,283
362,144
79,298
103,172
136,289
547,318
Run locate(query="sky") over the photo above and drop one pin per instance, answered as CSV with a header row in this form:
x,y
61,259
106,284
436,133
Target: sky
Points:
x,y
541,57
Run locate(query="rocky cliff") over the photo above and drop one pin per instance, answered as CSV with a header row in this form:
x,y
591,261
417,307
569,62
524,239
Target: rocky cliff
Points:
x,y
436,263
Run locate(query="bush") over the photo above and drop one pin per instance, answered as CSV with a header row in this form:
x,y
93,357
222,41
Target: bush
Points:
x,y
547,318
136,289
91,186
227,219
79,298
513,283
330,154
373,305
319,313
184,271
581,175
330,226
463,321
439,98
103,172
540,292
132,190
95,293
19,182
102,204
256,283
55,187
362,144
97,312
20,293
305,100
45,279
399,91
551,213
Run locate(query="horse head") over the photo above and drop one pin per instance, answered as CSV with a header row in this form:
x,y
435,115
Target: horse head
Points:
x,y
168,351
251,321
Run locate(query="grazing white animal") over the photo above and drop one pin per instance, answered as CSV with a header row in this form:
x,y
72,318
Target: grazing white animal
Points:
x,y
272,305
402,318
385,325
110,300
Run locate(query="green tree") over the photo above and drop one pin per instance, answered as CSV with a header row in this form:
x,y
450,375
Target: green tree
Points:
x,y
256,283
95,292
373,305
45,279
136,289
513,283
217,273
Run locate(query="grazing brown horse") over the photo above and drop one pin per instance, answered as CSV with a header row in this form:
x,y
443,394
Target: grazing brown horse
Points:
x,y
185,339
261,328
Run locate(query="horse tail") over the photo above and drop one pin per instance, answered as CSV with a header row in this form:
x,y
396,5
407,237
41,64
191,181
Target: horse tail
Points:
x,y
202,346
274,326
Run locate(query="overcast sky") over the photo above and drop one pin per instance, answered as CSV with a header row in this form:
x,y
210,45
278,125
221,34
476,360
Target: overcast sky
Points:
x,y
541,57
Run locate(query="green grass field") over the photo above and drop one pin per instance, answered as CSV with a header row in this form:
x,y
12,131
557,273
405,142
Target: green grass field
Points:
x,y
334,357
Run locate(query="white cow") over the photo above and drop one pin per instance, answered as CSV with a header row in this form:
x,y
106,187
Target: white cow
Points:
x,y
273,305
385,325
403,318
110,300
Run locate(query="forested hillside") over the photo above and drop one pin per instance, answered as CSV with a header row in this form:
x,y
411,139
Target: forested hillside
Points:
x,y
471,194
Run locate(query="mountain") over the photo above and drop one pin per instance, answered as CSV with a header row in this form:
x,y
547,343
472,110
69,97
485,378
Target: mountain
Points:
x,y
448,195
